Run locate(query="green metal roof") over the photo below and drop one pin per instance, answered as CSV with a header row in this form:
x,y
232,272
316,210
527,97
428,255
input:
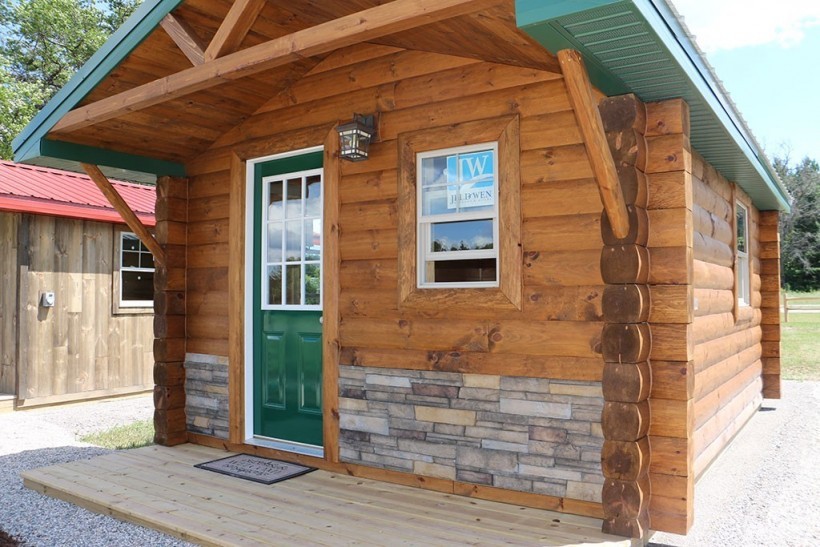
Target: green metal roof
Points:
x,y
641,47
32,146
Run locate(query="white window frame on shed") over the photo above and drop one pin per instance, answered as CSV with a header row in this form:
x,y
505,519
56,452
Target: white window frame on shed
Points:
x,y
129,306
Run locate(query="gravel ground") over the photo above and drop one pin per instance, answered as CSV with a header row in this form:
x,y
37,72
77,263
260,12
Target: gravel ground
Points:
x,y
765,488
37,438
763,491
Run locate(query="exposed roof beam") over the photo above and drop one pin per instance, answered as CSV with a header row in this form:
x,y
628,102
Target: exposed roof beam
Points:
x,y
383,20
185,38
234,28
125,212
592,129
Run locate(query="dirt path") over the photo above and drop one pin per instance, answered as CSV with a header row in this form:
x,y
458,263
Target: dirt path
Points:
x,y
765,488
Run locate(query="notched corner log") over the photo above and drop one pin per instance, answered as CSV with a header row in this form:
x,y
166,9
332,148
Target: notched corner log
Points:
x,y
626,303
638,228
626,382
625,264
625,421
625,342
625,460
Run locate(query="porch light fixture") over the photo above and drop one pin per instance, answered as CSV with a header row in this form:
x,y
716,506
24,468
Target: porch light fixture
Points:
x,y
355,137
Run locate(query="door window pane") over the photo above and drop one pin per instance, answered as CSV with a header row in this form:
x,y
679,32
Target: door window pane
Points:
x,y
313,196
276,201
293,237
274,285
313,283
293,289
313,239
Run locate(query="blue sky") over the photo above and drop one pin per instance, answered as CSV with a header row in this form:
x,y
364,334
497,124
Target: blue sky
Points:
x,y
768,56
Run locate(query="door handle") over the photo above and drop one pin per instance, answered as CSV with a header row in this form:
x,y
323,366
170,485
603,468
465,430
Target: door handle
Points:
x,y
321,319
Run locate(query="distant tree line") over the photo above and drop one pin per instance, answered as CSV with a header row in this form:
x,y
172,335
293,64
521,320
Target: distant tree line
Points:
x,y
800,229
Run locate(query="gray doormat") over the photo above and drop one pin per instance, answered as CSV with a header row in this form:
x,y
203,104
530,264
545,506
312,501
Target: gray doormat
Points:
x,y
254,468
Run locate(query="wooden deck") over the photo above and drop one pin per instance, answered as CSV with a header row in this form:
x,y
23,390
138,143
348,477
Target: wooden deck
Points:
x,y
158,487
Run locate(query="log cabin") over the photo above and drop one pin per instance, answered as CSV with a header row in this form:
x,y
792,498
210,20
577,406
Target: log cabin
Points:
x,y
76,289
521,250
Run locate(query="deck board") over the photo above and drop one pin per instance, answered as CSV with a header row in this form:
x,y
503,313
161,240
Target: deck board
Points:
x,y
158,487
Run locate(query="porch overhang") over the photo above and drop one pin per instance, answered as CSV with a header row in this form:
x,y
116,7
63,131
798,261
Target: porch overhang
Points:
x,y
641,47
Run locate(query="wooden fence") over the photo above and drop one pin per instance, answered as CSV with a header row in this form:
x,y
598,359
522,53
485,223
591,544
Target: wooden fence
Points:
x,y
802,303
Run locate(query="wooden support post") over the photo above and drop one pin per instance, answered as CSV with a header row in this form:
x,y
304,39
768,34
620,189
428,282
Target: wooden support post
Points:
x,y
368,24
185,37
626,340
592,130
770,301
169,313
125,211
236,302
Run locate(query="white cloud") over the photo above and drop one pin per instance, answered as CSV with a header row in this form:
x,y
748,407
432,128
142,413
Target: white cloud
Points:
x,y
731,24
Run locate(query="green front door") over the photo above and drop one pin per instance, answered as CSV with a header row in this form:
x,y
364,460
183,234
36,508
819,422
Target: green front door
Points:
x,y
287,293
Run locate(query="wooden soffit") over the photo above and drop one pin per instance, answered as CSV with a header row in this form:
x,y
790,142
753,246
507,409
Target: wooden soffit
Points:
x,y
208,65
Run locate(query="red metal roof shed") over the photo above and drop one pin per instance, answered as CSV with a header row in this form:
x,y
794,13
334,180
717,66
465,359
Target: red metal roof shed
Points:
x,y
40,190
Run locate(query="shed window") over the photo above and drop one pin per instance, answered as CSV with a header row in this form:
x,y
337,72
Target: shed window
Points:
x,y
136,272
742,279
458,217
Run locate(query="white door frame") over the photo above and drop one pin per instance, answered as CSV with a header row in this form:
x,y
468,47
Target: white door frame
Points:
x,y
250,243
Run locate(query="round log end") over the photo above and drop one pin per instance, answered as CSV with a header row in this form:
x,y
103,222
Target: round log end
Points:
x,y
625,342
625,421
625,461
638,228
621,264
626,382
626,303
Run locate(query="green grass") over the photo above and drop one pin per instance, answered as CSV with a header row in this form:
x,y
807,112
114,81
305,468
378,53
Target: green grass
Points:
x,y
800,345
121,437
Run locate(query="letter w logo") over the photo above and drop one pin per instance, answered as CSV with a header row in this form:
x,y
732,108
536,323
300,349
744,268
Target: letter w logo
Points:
x,y
475,165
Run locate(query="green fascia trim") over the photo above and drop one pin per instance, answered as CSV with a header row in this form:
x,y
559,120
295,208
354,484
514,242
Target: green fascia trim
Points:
x,y
144,20
81,153
541,22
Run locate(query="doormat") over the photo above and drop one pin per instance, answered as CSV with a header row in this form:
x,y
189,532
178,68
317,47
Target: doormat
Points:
x,y
256,469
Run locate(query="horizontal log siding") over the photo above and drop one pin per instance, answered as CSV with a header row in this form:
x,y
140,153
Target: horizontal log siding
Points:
x,y
78,348
728,351
556,335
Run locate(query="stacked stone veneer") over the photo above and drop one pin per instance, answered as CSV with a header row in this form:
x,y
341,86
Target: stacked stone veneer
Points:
x,y
206,394
527,434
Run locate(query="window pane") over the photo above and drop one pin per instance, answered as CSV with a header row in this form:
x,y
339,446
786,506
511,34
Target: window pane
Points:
x,y
146,260
130,242
433,171
456,271
274,284
313,196
313,239
741,229
275,242
293,280
461,236
293,241
434,200
312,284
130,259
294,198
276,201
137,286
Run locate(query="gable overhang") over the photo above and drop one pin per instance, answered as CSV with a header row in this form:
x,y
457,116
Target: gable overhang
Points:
x,y
640,47
32,145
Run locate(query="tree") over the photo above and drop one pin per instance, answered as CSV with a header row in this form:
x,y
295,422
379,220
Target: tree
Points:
x,y
800,230
42,44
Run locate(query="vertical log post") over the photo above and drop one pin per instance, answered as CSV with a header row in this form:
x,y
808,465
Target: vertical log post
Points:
x,y
770,301
626,338
169,312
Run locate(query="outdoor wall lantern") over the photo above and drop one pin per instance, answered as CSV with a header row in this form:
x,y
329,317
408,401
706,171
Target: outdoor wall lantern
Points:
x,y
355,137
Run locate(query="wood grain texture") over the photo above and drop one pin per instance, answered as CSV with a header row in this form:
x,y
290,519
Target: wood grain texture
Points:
x,y
236,301
185,37
234,28
592,129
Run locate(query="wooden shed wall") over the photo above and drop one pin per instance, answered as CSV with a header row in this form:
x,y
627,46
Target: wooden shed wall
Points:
x,y
727,364
8,302
78,348
558,332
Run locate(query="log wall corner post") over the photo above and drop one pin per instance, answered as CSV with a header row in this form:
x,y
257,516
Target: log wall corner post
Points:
x,y
626,338
169,312
770,301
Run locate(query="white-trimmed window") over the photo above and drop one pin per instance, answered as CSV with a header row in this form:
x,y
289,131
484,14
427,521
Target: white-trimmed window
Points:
x,y
136,279
457,197
743,279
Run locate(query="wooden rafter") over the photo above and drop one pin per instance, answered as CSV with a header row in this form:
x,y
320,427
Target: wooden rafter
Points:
x,y
390,18
125,211
185,38
592,129
234,28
